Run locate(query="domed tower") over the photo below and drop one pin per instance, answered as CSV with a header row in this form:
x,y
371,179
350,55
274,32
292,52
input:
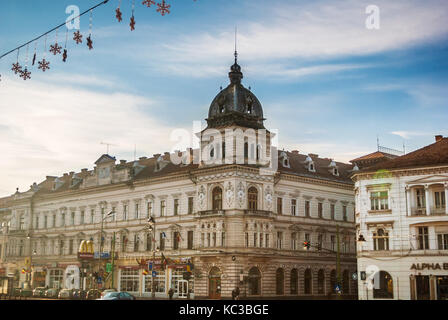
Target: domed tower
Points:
x,y
236,105
235,133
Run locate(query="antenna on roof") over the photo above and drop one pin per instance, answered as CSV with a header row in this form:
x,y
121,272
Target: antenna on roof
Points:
x,y
378,143
108,146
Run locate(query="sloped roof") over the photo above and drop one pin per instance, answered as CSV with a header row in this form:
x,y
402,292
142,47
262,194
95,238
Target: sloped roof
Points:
x,y
435,154
374,155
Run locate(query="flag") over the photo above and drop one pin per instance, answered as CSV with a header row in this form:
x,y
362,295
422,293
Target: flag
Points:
x,y
164,262
179,237
145,272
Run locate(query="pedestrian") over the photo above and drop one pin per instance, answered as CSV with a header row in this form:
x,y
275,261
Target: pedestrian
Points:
x,y
235,293
171,293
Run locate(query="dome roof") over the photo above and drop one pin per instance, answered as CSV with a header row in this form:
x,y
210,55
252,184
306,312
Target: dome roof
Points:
x,y
236,105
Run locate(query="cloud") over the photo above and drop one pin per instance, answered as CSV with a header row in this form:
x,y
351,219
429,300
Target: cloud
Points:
x,y
52,128
305,30
409,134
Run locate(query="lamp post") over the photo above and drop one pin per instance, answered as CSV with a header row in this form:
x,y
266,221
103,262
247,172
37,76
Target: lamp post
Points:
x,y
111,213
152,229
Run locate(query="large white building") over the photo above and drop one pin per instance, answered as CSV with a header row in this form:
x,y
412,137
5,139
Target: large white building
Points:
x,y
230,224
402,215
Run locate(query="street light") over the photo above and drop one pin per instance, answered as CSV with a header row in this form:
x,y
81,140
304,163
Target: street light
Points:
x,y
152,229
111,213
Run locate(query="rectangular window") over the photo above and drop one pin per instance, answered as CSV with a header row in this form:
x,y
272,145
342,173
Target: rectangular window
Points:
x,y
439,199
293,206
332,211
92,214
37,222
46,222
82,217
442,240
176,240
70,247
319,242
149,209
190,240
148,242
137,211
223,239
266,238
62,219
307,208
202,240
421,199
333,243
208,239
125,212
190,205
344,213
246,236
320,209
162,208
214,239
279,205
255,239
162,241
379,200
294,241
136,242
423,238
176,207
54,221
279,240
73,219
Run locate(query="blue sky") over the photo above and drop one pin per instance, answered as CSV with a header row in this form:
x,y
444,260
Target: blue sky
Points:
x,y
326,82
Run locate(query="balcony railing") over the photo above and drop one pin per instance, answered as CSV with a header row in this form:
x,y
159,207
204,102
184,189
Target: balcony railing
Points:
x,y
433,211
211,213
261,213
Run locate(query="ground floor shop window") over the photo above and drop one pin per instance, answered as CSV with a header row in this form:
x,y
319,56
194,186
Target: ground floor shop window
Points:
x,y
321,282
308,281
56,278
294,281
422,287
280,279
160,282
254,282
129,280
442,288
385,288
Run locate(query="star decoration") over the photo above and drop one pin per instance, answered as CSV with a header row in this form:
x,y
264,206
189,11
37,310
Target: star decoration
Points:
x,y
89,43
64,55
163,8
118,15
44,65
17,68
132,24
25,74
55,48
77,36
148,3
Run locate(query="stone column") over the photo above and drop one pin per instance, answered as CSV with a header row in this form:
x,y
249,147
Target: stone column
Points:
x,y
446,198
408,201
428,208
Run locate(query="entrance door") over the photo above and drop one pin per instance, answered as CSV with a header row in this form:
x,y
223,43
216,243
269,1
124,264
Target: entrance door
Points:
x,y
422,283
182,289
214,284
442,288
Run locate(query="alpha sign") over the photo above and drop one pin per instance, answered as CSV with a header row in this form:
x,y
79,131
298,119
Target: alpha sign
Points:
x,y
429,266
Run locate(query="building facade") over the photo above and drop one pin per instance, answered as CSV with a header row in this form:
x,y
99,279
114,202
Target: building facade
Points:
x,y
402,215
217,226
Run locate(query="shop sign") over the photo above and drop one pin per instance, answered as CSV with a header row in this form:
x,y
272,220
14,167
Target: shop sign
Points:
x,y
429,266
85,256
104,255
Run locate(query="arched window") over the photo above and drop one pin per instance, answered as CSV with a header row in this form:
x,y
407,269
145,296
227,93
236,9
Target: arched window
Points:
x,y
380,240
280,282
385,290
308,277
332,280
217,198
253,198
254,282
294,281
345,282
246,150
321,282
258,152
223,150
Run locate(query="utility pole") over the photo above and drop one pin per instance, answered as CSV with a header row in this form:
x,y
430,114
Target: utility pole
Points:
x,y
113,260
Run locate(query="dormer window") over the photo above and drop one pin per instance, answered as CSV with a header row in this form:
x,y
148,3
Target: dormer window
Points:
x,y
286,163
336,172
311,167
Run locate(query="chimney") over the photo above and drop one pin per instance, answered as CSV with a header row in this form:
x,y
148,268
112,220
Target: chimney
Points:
x,y
157,155
313,155
439,138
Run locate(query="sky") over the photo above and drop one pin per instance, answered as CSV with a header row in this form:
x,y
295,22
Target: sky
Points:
x,y
327,83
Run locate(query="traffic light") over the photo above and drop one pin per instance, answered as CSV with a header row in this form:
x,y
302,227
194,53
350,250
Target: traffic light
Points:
x,y
306,245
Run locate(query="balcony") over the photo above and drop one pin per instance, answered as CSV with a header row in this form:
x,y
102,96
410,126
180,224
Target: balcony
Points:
x,y
260,213
433,211
209,213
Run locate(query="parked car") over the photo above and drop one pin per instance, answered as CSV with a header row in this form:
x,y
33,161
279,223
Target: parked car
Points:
x,y
26,293
52,293
16,292
117,296
39,292
104,292
65,294
93,294
78,294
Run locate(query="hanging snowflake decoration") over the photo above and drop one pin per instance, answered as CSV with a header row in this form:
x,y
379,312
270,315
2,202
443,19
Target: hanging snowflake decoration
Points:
x,y
132,24
64,55
44,65
34,59
25,74
164,8
77,36
118,15
148,3
17,68
89,43
55,49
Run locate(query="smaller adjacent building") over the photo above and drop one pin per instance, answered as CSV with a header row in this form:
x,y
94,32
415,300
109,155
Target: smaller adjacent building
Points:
x,y
402,226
